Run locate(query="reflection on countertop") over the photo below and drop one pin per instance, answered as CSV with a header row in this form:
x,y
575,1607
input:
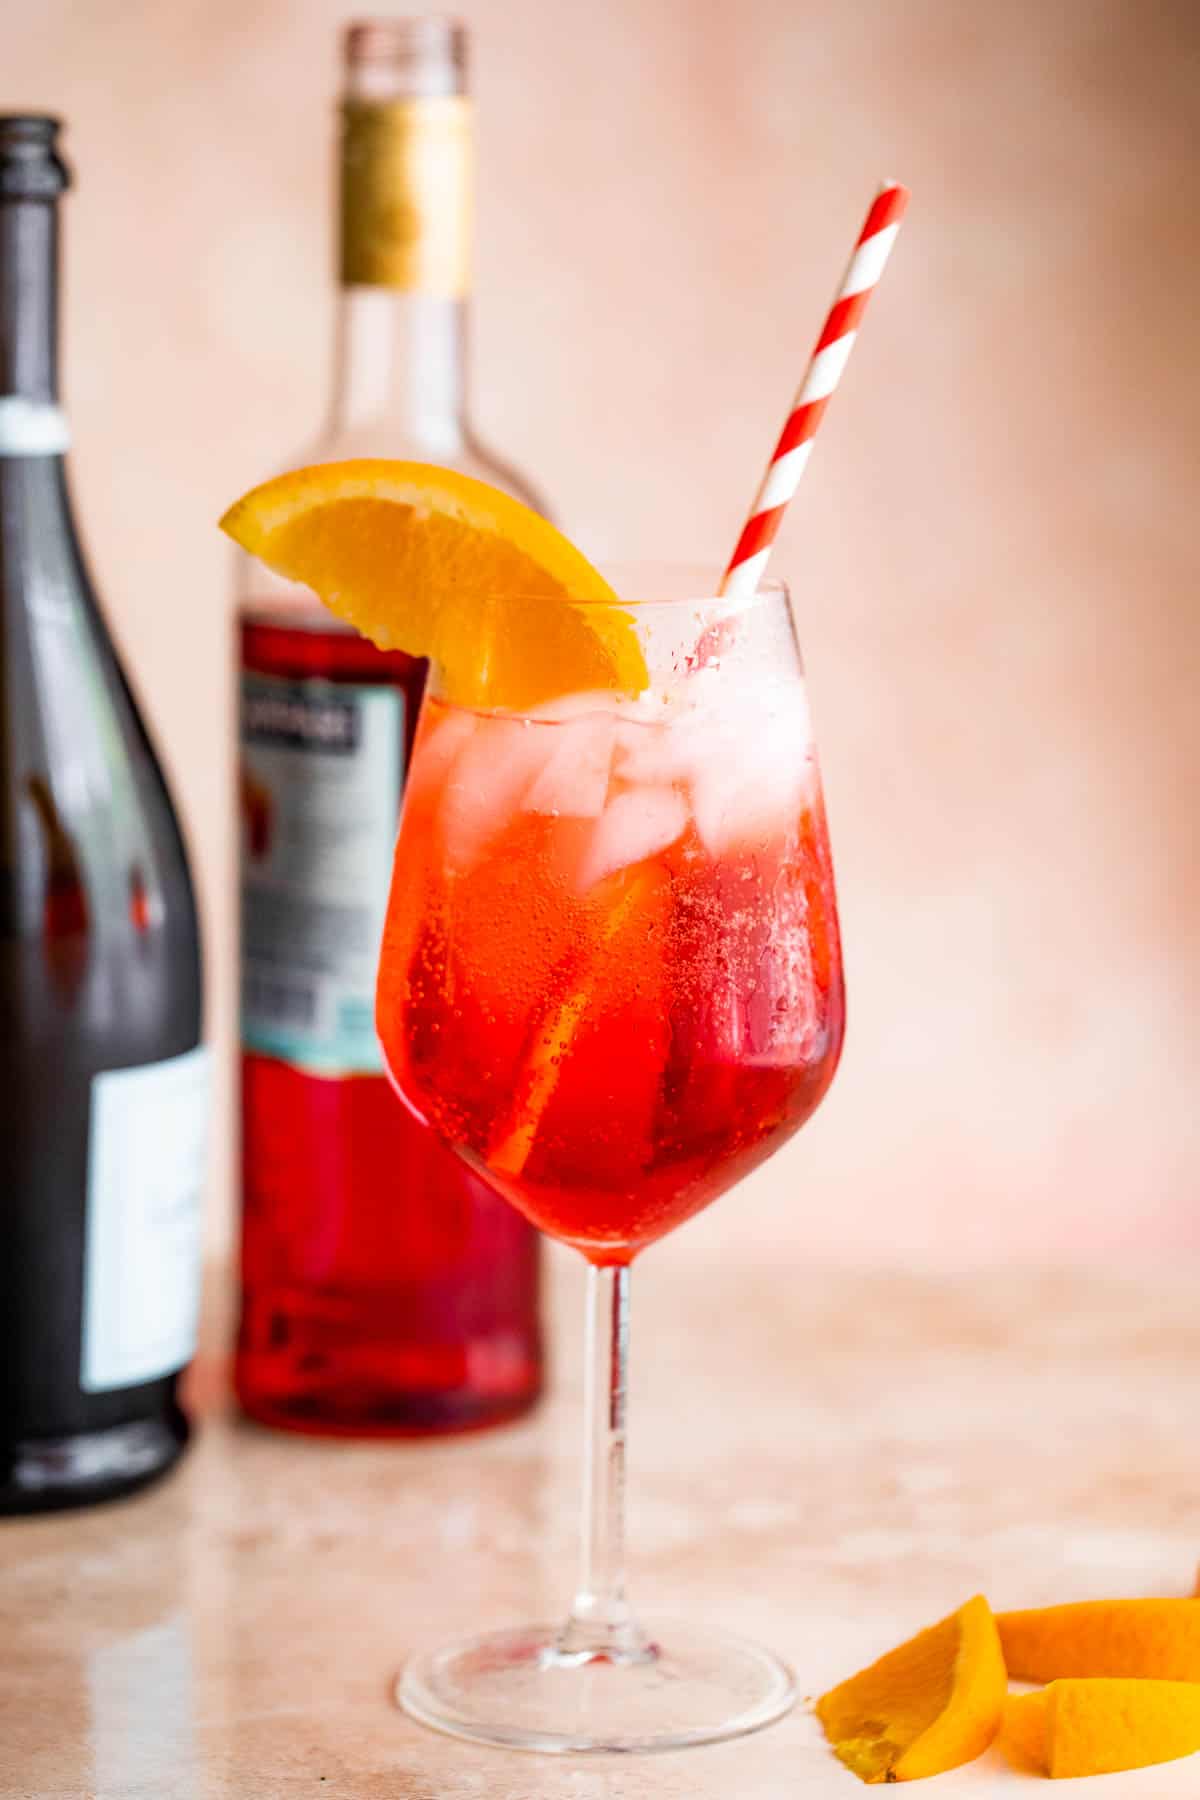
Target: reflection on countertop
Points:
x,y
824,1460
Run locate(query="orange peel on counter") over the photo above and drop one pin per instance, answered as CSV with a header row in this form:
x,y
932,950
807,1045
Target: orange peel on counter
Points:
x,y
1102,1725
1122,1693
932,1704
1155,1639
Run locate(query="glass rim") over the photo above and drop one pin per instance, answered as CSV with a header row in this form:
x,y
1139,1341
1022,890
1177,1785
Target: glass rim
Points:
x,y
679,588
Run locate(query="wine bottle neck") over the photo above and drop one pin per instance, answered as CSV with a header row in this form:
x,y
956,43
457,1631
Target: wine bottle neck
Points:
x,y
29,300
405,262
31,179
400,363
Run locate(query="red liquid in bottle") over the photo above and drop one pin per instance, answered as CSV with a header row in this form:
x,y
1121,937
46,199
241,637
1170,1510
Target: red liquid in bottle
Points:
x,y
386,1289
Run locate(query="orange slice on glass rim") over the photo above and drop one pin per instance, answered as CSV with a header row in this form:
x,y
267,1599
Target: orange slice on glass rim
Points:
x,y
932,1704
425,560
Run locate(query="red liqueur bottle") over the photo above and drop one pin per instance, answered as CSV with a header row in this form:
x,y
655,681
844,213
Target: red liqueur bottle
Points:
x,y
385,1289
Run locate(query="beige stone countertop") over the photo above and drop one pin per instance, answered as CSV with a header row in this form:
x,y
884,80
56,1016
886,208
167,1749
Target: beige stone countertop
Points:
x,y
821,1459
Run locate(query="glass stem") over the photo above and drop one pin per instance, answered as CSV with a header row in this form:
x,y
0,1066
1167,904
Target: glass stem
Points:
x,y
601,1623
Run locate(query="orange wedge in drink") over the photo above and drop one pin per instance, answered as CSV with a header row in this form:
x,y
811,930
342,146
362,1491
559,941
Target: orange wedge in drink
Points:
x,y
932,1704
636,909
1152,1639
422,559
1102,1726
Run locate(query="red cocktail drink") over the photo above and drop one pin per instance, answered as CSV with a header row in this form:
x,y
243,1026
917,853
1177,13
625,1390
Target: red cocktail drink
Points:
x,y
610,974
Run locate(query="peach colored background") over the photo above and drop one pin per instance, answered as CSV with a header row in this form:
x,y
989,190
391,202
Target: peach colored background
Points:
x,y
994,552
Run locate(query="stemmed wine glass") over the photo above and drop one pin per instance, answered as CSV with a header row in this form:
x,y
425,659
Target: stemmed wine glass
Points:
x,y
611,979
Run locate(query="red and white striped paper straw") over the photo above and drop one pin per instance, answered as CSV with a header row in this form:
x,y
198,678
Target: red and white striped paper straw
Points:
x,y
825,368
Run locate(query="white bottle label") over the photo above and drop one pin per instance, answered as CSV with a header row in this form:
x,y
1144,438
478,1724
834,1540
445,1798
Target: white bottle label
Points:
x,y
322,764
148,1138
32,427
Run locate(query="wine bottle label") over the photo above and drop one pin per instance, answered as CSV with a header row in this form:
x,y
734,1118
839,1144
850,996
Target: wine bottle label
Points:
x,y
406,194
322,765
32,427
147,1146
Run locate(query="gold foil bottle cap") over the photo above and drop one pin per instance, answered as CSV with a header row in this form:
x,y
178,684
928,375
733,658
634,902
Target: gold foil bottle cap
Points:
x,y
406,157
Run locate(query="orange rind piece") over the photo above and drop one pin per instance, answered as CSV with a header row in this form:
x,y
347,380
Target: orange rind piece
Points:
x,y
1102,1726
1023,1733
422,559
637,909
1156,1640
932,1704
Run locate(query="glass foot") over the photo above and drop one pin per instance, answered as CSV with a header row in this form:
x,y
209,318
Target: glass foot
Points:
x,y
518,1690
